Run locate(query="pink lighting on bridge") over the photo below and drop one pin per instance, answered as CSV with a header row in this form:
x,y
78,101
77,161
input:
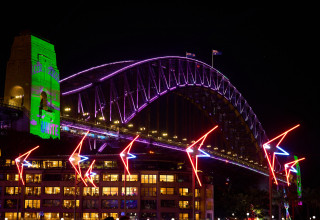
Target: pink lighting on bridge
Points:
x,y
267,146
125,155
75,158
89,174
21,161
194,153
289,167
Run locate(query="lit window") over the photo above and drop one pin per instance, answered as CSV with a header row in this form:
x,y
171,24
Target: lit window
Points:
x,y
130,177
166,191
110,191
33,178
31,215
8,163
110,164
69,191
51,190
95,178
52,164
90,216
32,204
12,215
33,191
36,164
112,214
12,177
197,205
183,191
110,177
197,192
51,215
183,204
166,178
91,191
130,191
148,178
69,203
183,216
13,190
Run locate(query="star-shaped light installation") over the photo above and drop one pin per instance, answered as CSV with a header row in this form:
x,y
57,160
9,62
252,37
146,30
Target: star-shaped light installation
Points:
x,y
274,150
75,158
125,155
289,167
21,161
194,152
89,174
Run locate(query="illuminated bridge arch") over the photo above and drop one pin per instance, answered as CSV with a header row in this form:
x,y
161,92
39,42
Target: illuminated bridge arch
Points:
x,y
120,90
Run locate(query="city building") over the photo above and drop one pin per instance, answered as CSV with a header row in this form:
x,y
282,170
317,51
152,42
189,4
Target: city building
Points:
x,y
159,187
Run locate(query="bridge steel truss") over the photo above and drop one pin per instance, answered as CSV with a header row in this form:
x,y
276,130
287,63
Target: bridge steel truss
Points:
x,y
121,91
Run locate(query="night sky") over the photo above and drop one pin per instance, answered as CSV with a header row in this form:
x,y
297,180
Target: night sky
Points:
x,y
268,52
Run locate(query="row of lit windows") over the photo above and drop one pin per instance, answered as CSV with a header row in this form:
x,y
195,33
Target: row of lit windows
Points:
x,y
94,204
94,191
46,164
89,216
52,215
145,178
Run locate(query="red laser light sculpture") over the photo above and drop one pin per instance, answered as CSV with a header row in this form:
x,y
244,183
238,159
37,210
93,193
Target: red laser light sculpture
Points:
x,y
89,174
21,161
194,153
125,155
75,158
266,146
289,167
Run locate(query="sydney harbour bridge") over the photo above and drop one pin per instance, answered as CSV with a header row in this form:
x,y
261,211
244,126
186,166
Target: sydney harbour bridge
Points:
x,y
122,99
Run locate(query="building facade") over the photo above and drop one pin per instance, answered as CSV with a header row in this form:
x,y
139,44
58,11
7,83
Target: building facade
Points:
x,y
156,189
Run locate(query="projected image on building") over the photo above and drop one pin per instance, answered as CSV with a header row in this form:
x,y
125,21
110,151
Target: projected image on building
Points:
x,y
45,90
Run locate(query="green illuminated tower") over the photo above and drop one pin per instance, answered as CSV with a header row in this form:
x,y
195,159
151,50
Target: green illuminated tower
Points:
x,y
32,82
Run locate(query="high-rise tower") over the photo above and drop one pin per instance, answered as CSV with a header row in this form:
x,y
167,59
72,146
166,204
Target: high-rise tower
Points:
x,y
32,82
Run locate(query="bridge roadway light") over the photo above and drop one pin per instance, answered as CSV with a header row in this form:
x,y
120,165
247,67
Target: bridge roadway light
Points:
x,y
67,109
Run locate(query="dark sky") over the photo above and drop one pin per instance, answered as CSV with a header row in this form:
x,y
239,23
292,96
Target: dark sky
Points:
x,y
268,52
